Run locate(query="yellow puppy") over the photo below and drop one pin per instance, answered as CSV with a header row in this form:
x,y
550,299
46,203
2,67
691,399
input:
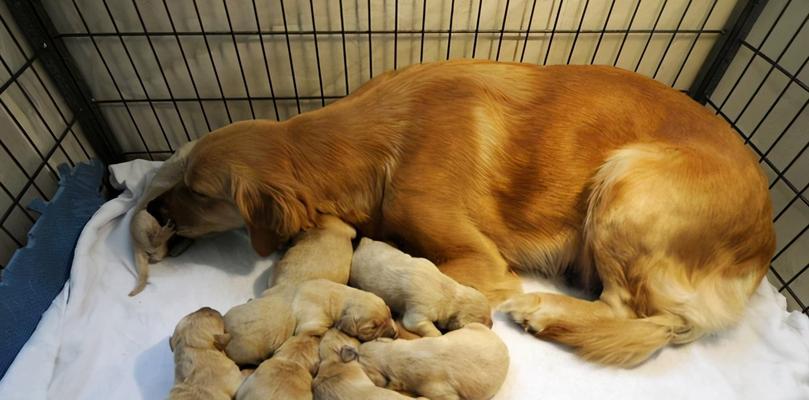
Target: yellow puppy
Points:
x,y
321,252
469,363
342,378
150,244
416,288
202,371
258,327
287,375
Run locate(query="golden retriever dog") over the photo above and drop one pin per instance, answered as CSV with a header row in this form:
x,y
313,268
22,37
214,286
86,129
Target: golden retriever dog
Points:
x,y
340,376
287,375
469,363
202,370
415,288
323,252
485,168
259,327
150,242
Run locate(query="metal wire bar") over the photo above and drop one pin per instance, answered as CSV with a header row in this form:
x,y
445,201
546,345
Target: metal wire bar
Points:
x,y
370,43
651,34
604,30
694,43
578,31
213,64
11,196
291,63
26,135
391,32
345,54
187,66
266,63
626,34
477,28
671,39
750,61
527,29
239,60
137,75
162,72
395,34
317,54
502,28
449,32
555,24
423,24
112,79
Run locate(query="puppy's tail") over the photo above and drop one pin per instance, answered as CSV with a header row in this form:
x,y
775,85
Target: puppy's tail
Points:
x,y
142,264
617,341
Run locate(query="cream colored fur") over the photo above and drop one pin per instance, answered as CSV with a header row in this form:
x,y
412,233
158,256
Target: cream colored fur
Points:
x,y
468,363
343,379
261,326
202,370
416,288
322,252
150,244
287,375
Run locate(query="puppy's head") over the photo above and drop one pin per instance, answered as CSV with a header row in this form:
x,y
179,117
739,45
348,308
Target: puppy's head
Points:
x,y
204,328
366,317
333,342
475,309
240,175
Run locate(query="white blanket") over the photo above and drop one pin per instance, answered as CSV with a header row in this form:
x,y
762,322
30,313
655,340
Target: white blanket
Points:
x,y
95,342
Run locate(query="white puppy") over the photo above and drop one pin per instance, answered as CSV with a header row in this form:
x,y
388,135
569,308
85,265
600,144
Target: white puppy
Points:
x,y
258,327
323,252
469,363
340,377
416,288
202,371
287,375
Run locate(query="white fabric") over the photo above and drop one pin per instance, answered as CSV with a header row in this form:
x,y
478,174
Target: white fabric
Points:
x,y
95,342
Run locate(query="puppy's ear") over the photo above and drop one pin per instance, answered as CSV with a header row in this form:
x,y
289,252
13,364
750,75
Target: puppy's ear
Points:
x,y
348,354
220,341
272,212
172,343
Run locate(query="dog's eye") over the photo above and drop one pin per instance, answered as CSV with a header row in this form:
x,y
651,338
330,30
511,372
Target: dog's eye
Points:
x,y
197,194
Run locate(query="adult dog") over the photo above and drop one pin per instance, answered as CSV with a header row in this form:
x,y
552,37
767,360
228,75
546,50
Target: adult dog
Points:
x,y
485,167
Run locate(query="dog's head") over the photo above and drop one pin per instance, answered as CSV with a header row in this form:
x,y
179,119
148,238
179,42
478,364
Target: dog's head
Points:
x,y
204,328
240,175
332,344
366,317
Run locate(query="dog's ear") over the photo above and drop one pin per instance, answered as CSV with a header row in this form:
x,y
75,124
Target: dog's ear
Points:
x,y
348,354
172,343
272,212
220,341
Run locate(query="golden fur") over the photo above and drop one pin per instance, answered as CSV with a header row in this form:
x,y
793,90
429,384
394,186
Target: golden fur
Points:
x,y
259,327
287,375
484,167
202,370
342,378
323,252
469,363
415,289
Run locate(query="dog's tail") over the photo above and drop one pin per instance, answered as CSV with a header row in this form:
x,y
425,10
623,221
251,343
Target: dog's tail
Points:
x,y
617,341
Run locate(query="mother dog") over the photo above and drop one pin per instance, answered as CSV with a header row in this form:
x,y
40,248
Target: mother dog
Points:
x,y
483,167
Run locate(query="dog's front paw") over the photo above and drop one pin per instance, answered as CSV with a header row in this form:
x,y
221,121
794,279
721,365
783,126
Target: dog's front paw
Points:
x,y
526,310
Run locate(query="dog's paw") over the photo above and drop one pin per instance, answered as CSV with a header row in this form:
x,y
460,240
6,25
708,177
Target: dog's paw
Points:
x,y
529,311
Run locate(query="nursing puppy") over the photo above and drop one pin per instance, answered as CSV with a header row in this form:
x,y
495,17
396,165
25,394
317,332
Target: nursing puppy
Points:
x,y
605,176
416,289
323,252
469,363
150,242
287,375
340,376
202,370
259,327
